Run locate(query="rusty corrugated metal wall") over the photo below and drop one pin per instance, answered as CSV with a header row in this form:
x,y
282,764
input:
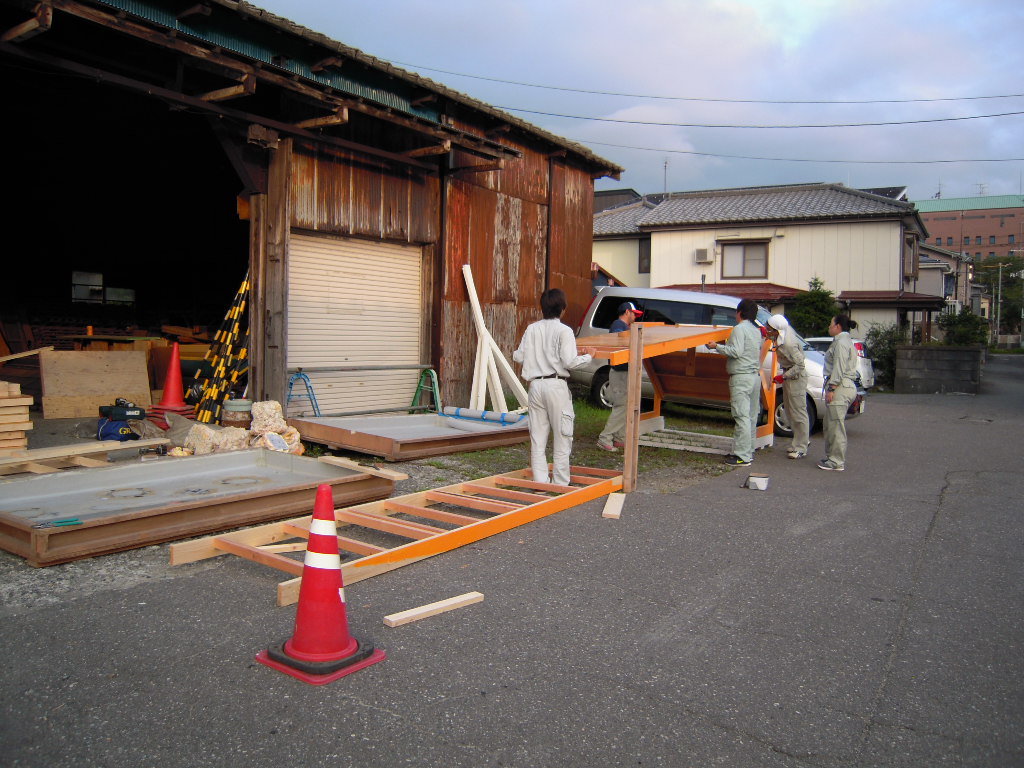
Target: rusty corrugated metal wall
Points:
x,y
341,193
497,222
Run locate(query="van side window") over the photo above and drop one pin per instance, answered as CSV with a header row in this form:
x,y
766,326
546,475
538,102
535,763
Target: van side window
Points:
x,y
675,312
723,316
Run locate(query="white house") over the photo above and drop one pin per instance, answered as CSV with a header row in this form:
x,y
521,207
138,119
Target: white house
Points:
x,y
768,243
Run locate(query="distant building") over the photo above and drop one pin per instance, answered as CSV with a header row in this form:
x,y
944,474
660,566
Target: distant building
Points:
x,y
989,227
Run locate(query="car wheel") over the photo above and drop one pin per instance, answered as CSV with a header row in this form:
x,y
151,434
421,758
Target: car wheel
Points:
x,y
599,389
781,423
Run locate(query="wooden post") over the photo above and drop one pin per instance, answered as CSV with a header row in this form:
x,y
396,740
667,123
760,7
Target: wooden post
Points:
x,y
636,367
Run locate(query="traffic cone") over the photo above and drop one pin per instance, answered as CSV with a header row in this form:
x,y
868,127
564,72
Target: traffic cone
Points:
x,y
172,400
321,650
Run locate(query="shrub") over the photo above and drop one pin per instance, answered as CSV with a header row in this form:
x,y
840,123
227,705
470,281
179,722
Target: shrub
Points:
x,y
964,327
813,310
882,341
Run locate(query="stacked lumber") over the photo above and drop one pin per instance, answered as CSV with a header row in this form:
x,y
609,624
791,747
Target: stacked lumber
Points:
x,y
14,419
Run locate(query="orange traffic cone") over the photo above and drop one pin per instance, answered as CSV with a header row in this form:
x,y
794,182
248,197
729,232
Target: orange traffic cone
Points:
x,y
321,650
172,400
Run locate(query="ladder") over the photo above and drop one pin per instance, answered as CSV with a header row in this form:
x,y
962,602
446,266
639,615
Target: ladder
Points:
x,y
310,395
433,389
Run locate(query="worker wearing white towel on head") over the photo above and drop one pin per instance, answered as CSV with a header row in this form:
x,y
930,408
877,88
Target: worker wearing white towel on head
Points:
x,y
547,352
793,378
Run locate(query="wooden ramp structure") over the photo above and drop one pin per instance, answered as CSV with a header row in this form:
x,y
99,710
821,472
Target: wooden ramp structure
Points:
x,y
675,368
385,535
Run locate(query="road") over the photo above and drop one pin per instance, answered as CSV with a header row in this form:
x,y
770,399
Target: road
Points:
x,y
873,617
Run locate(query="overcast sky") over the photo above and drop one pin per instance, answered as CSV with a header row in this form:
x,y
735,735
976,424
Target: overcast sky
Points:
x,y
740,52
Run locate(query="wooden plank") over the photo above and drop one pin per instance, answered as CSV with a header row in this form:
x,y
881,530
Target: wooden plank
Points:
x,y
36,469
85,461
339,461
82,449
503,493
383,523
5,358
430,514
432,609
521,482
17,426
19,416
348,545
613,507
10,404
472,502
249,552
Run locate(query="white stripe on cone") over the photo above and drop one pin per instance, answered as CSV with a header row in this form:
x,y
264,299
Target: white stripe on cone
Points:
x,y
323,527
320,560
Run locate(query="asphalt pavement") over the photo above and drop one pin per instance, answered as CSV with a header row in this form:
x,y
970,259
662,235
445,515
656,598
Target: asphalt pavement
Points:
x,y
873,617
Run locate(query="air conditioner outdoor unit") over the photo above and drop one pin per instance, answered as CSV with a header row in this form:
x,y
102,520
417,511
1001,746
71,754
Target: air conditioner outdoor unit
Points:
x,y
702,256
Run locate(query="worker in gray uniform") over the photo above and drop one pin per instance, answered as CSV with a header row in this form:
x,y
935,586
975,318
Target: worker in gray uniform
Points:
x,y
840,391
744,352
793,378
547,352
614,433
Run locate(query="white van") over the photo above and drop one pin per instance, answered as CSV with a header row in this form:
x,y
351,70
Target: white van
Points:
x,y
663,305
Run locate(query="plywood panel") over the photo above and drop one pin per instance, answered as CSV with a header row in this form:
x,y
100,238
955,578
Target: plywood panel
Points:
x,y
75,384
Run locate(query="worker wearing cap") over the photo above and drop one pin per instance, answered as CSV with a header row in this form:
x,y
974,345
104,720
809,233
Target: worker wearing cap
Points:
x,y
614,432
793,378
744,352
547,352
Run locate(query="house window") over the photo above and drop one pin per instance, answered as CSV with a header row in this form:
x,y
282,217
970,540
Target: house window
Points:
x,y
741,260
967,239
991,254
643,265
949,241
1011,239
991,239
977,240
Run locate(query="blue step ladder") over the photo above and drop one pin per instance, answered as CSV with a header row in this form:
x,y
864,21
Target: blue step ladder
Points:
x,y
310,395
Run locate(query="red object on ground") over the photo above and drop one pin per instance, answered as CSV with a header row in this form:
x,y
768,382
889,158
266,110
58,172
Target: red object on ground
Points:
x,y
321,649
172,400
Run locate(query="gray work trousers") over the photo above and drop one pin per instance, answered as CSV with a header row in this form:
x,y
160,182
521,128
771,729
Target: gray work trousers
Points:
x,y
615,428
835,424
550,412
745,400
794,401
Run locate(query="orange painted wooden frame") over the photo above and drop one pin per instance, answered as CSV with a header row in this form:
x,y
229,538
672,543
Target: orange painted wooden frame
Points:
x,y
513,496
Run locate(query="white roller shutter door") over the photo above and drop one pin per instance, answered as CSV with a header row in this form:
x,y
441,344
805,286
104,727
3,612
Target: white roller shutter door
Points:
x,y
353,304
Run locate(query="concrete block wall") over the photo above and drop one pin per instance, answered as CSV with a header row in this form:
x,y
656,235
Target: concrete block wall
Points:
x,y
938,369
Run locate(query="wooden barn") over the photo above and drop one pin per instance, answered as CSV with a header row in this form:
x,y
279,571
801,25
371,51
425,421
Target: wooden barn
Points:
x,y
159,151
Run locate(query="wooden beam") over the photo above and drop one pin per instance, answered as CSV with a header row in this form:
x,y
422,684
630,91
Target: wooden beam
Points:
x,y
246,87
387,474
613,507
438,149
472,502
331,62
482,168
432,609
15,356
338,117
633,395
428,513
38,24
199,9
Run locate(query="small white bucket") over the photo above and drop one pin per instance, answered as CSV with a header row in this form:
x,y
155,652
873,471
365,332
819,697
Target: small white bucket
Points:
x,y
757,482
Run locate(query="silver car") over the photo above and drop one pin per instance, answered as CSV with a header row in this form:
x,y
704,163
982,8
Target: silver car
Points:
x,y
665,305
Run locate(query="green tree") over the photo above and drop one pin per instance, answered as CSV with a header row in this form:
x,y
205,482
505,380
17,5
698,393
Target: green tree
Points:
x,y
814,309
882,341
964,327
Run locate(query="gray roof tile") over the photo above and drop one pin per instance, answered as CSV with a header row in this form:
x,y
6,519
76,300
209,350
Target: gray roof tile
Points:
x,y
787,203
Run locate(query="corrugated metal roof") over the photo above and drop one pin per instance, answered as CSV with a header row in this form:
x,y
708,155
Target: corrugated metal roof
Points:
x,y
970,203
378,81
786,203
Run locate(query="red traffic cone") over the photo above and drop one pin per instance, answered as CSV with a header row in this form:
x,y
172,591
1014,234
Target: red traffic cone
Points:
x,y
321,650
172,401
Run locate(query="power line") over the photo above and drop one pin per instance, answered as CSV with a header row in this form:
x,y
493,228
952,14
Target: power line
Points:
x,y
704,99
708,125
800,160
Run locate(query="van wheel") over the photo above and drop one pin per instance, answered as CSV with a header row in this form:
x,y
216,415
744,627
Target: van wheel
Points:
x,y
599,389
